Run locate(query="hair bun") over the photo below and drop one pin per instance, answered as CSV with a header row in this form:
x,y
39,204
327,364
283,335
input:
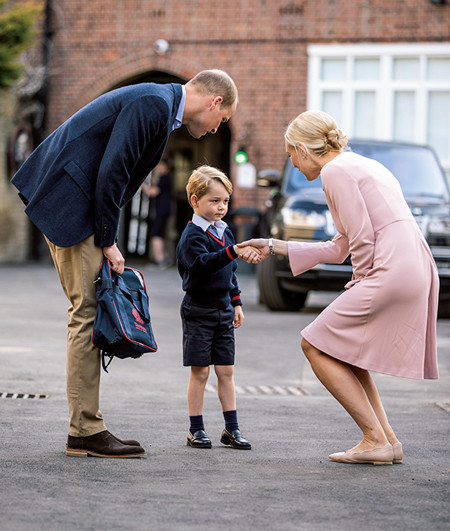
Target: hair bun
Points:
x,y
335,138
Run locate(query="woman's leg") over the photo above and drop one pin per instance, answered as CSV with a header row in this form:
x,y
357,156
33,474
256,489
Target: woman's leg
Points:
x,y
225,386
340,380
196,390
371,390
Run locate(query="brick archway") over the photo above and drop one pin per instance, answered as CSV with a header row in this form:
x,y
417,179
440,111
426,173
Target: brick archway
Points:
x,y
183,154
123,70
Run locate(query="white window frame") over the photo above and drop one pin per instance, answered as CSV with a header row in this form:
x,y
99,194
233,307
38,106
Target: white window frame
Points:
x,y
385,88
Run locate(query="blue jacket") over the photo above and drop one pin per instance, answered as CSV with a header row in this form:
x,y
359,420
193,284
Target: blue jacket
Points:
x,y
76,181
208,266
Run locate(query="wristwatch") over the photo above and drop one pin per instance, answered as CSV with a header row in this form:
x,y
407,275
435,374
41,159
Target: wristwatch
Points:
x,y
271,246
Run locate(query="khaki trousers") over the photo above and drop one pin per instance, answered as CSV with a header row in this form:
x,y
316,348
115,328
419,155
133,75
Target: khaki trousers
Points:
x,y
77,268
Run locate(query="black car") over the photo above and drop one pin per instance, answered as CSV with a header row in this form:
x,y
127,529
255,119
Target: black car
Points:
x,y
298,211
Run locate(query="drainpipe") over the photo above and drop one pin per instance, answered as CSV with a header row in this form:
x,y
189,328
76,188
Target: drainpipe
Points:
x,y
47,36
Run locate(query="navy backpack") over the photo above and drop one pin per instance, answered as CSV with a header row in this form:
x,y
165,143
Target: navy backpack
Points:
x,y
122,325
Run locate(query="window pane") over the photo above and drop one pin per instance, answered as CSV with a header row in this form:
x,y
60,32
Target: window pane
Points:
x,y
332,104
367,69
438,69
438,126
364,121
333,69
404,115
406,69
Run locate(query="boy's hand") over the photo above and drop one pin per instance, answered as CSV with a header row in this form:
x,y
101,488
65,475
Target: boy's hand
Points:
x,y
261,244
248,253
238,316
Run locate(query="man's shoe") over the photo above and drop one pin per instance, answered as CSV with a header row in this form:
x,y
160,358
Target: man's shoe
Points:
x,y
102,444
198,439
235,440
127,442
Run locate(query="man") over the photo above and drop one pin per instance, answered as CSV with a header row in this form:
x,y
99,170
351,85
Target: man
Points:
x,y
74,185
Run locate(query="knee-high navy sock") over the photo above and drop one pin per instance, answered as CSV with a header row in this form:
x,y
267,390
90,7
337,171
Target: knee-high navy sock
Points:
x,y
196,423
231,422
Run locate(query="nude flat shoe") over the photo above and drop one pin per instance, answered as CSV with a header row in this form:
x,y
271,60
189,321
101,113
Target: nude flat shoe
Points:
x,y
383,455
398,453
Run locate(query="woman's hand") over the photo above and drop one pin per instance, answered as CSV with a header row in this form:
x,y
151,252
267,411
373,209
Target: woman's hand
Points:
x,y
248,253
255,250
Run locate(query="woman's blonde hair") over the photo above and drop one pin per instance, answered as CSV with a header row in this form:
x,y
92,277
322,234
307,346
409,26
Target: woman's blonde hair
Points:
x,y
318,131
202,177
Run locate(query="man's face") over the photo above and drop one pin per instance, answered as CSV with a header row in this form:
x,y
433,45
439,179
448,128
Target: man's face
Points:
x,y
209,119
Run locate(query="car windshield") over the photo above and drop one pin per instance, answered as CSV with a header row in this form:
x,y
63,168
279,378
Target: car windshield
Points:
x,y
415,167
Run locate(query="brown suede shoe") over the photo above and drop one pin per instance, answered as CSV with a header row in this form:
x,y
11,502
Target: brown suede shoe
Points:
x,y
127,442
102,444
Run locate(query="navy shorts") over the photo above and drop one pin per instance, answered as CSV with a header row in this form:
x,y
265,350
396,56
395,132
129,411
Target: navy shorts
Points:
x,y
208,335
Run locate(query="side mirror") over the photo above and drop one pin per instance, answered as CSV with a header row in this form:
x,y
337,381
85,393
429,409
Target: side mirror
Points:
x,y
268,178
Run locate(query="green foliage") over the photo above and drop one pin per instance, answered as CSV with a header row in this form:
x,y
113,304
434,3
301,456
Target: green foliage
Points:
x,y
17,31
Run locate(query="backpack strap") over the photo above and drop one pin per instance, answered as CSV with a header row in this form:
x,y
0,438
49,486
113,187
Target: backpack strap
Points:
x,y
104,364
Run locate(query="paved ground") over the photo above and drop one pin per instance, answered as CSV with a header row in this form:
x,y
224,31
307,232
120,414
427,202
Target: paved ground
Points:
x,y
285,483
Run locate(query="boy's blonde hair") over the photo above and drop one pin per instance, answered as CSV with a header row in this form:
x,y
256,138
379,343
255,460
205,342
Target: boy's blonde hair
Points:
x,y
201,178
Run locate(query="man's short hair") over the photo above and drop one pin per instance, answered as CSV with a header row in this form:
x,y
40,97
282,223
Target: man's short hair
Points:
x,y
216,82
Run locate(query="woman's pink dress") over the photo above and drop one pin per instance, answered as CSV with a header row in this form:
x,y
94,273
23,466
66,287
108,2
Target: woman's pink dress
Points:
x,y
385,321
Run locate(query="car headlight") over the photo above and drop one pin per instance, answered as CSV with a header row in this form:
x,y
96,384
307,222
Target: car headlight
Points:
x,y
303,219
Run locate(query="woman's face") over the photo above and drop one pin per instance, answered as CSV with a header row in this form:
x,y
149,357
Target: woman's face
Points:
x,y
293,155
302,160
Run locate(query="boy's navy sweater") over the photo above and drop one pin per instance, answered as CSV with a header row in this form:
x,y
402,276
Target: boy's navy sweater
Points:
x,y
207,266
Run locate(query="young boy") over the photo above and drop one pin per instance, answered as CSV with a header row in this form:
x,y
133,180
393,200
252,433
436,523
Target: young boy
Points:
x,y
211,307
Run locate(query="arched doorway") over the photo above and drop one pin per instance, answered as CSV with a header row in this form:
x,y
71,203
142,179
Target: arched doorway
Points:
x,y
183,153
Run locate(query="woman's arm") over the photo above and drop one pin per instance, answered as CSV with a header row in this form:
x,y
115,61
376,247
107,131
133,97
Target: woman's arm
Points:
x,y
262,244
302,255
349,209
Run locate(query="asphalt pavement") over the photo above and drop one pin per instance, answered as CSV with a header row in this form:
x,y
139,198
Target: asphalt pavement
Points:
x,y
286,481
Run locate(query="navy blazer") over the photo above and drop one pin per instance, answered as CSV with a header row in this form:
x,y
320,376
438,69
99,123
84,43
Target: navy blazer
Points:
x,y
76,181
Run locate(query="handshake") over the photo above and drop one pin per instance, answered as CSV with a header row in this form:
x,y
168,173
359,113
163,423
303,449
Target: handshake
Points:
x,y
253,251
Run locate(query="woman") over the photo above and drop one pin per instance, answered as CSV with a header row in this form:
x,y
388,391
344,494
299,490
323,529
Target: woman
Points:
x,y
385,320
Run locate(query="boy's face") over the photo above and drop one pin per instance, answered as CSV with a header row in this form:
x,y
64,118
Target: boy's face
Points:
x,y
214,204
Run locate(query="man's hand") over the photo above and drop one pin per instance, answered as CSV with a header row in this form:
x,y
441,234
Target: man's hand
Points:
x,y
115,257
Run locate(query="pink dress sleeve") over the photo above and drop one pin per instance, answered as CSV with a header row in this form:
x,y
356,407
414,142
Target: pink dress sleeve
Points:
x,y
304,255
351,217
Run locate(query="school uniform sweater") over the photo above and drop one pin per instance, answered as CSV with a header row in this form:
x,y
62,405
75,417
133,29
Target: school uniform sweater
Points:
x,y
207,266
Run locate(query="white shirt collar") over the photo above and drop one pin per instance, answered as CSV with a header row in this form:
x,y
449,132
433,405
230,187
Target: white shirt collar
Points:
x,y
220,225
179,117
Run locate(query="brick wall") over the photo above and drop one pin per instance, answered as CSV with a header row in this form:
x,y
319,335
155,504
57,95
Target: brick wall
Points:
x,y
260,43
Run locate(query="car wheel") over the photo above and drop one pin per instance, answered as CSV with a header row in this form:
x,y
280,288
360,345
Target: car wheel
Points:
x,y
272,294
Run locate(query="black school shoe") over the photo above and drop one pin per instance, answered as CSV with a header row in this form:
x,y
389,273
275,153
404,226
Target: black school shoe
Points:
x,y
235,440
198,439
